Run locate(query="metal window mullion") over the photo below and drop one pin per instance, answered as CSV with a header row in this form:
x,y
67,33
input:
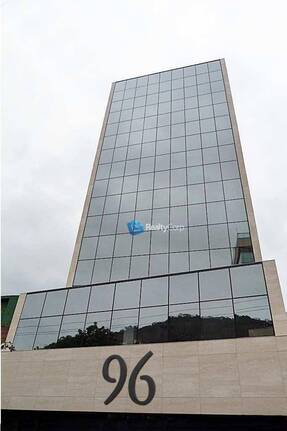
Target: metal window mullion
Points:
x,y
204,182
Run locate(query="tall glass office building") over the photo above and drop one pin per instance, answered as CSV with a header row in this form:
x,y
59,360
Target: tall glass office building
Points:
x,y
166,274
167,160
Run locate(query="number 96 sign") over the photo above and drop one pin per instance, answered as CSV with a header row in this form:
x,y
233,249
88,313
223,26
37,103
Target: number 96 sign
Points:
x,y
132,380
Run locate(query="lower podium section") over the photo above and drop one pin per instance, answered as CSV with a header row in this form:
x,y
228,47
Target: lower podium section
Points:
x,y
244,376
67,421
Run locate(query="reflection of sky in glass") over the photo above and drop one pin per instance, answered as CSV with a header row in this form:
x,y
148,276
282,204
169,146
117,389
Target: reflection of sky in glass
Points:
x,y
184,309
216,309
248,281
124,318
101,298
33,305
48,331
28,326
256,308
49,325
183,288
77,301
152,315
127,295
25,334
102,319
71,324
54,303
154,292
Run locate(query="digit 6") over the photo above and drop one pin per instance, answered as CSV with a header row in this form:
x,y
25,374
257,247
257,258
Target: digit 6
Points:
x,y
148,379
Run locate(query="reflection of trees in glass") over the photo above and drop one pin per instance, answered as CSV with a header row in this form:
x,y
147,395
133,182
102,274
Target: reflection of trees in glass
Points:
x,y
154,333
187,327
91,336
184,327
178,328
247,326
217,327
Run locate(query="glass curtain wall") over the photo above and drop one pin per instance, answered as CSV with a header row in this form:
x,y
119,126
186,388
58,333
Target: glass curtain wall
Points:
x,y
217,303
167,159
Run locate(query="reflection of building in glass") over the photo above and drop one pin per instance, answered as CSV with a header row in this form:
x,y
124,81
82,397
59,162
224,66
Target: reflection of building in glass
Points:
x,y
167,260
243,249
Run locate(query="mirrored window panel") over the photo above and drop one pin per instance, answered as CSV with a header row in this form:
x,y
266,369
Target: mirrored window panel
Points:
x,y
252,316
84,272
77,300
178,262
25,334
102,297
70,333
248,280
127,295
124,326
33,305
97,329
183,288
184,322
48,332
100,320
153,326
154,292
217,319
54,303
214,284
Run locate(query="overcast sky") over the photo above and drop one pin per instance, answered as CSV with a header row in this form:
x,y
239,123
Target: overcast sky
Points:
x,y
60,58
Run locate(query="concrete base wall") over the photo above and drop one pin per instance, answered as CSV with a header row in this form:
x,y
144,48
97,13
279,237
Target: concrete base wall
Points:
x,y
245,376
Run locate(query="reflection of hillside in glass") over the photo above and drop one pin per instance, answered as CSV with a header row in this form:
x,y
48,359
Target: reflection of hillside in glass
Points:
x,y
182,327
